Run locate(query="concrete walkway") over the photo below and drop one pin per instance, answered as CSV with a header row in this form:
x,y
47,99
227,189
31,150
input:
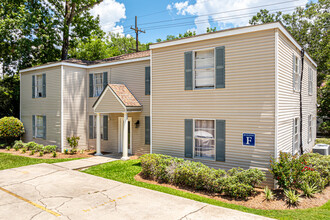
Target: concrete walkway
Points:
x,y
88,162
55,191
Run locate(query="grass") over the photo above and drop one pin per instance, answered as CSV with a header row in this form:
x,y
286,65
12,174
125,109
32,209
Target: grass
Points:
x,y
124,171
8,161
323,141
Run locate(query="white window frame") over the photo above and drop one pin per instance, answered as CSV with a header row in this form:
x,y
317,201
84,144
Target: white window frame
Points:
x,y
94,126
38,127
194,139
297,73
95,90
194,69
36,88
296,135
310,80
310,128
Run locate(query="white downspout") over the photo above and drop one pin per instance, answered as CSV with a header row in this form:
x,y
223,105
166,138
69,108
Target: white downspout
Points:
x,y
151,101
276,98
62,107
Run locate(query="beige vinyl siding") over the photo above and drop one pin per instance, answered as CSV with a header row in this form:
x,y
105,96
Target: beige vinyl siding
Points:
x,y
133,76
50,106
109,102
247,103
288,101
75,104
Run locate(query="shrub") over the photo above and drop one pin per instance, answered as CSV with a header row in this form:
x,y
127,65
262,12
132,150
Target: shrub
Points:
x,y
38,148
309,190
50,148
268,194
32,152
54,154
31,145
236,183
73,141
18,145
73,151
291,196
41,153
8,148
23,150
320,163
11,129
325,128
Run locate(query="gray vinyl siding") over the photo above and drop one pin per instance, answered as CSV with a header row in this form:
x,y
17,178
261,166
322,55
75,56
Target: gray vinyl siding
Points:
x,y
246,103
288,101
49,106
75,105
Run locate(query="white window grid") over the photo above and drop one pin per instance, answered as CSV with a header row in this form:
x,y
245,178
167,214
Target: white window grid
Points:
x,y
310,81
39,126
296,70
38,87
212,140
210,68
97,84
296,135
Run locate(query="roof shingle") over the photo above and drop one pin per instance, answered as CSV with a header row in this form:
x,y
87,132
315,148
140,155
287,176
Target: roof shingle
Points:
x,y
125,95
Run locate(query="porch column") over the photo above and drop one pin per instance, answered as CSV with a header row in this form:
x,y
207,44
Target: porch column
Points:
x,y
98,134
125,137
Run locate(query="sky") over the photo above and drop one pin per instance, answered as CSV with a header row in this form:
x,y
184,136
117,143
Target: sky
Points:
x,y
160,18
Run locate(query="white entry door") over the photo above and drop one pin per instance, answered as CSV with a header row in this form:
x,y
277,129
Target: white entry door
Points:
x,y
121,134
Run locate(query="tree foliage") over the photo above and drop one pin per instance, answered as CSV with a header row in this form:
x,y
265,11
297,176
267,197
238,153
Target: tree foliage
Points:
x,y
310,27
173,37
96,47
9,96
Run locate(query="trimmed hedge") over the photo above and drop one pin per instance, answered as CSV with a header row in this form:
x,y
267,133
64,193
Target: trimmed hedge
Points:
x,y
11,129
237,183
32,146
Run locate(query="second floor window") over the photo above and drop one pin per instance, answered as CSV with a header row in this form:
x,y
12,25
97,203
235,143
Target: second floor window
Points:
x,y
204,68
39,86
296,74
98,84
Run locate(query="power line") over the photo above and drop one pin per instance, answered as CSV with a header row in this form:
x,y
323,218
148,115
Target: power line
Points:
x,y
207,20
190,17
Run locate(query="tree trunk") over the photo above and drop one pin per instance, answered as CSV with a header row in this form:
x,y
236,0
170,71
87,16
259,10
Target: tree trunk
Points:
x,y
65,46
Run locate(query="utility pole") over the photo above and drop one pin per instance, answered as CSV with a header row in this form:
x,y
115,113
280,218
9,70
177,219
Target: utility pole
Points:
x,y
137,30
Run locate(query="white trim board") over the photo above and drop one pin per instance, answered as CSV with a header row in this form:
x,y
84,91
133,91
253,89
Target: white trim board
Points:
x,y
231,32
63,63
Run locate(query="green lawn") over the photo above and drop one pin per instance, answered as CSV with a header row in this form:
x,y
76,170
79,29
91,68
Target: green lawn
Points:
x,y
124,171
322,141
8,161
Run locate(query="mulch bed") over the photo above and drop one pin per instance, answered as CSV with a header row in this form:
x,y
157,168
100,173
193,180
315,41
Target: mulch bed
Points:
x,y
258,201
85,154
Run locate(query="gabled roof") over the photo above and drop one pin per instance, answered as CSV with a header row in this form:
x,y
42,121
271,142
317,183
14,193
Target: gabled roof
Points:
x,y
116,98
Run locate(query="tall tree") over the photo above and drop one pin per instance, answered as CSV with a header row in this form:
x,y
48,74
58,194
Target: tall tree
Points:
x,y
96,47
9,96
76,20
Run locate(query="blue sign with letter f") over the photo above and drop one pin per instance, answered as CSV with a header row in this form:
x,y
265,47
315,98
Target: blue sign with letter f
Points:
x,y
249,139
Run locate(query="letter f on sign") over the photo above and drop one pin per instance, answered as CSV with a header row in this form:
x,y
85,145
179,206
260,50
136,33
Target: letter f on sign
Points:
x,y
248,140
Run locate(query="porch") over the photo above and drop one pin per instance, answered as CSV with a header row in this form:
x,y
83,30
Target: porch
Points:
x,y
117,99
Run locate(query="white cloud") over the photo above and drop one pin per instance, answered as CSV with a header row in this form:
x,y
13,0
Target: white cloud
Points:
x,y
110,12
235,12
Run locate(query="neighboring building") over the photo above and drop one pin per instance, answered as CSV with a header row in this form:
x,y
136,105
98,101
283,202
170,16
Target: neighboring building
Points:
x,y
228,99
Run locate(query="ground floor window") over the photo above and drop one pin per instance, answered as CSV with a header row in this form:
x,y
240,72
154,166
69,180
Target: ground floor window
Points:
x,y
39,126
103,127
296,135
204,138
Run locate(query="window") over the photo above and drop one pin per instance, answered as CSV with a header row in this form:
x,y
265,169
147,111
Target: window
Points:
x,y
310,81
204,68
39,126
296,74
39,86
103,127
296,135
204,138
98,84
309,128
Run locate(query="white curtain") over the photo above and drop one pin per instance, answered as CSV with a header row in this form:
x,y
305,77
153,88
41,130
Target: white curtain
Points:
x,y
204,139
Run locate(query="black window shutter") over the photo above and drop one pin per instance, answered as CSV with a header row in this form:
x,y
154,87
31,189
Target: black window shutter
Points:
x,y
147,80
105,127
188,73
34,126
220,140
33,86
91,133
44,85
91,85
147,130
188,142
220,67
44,126
105,79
